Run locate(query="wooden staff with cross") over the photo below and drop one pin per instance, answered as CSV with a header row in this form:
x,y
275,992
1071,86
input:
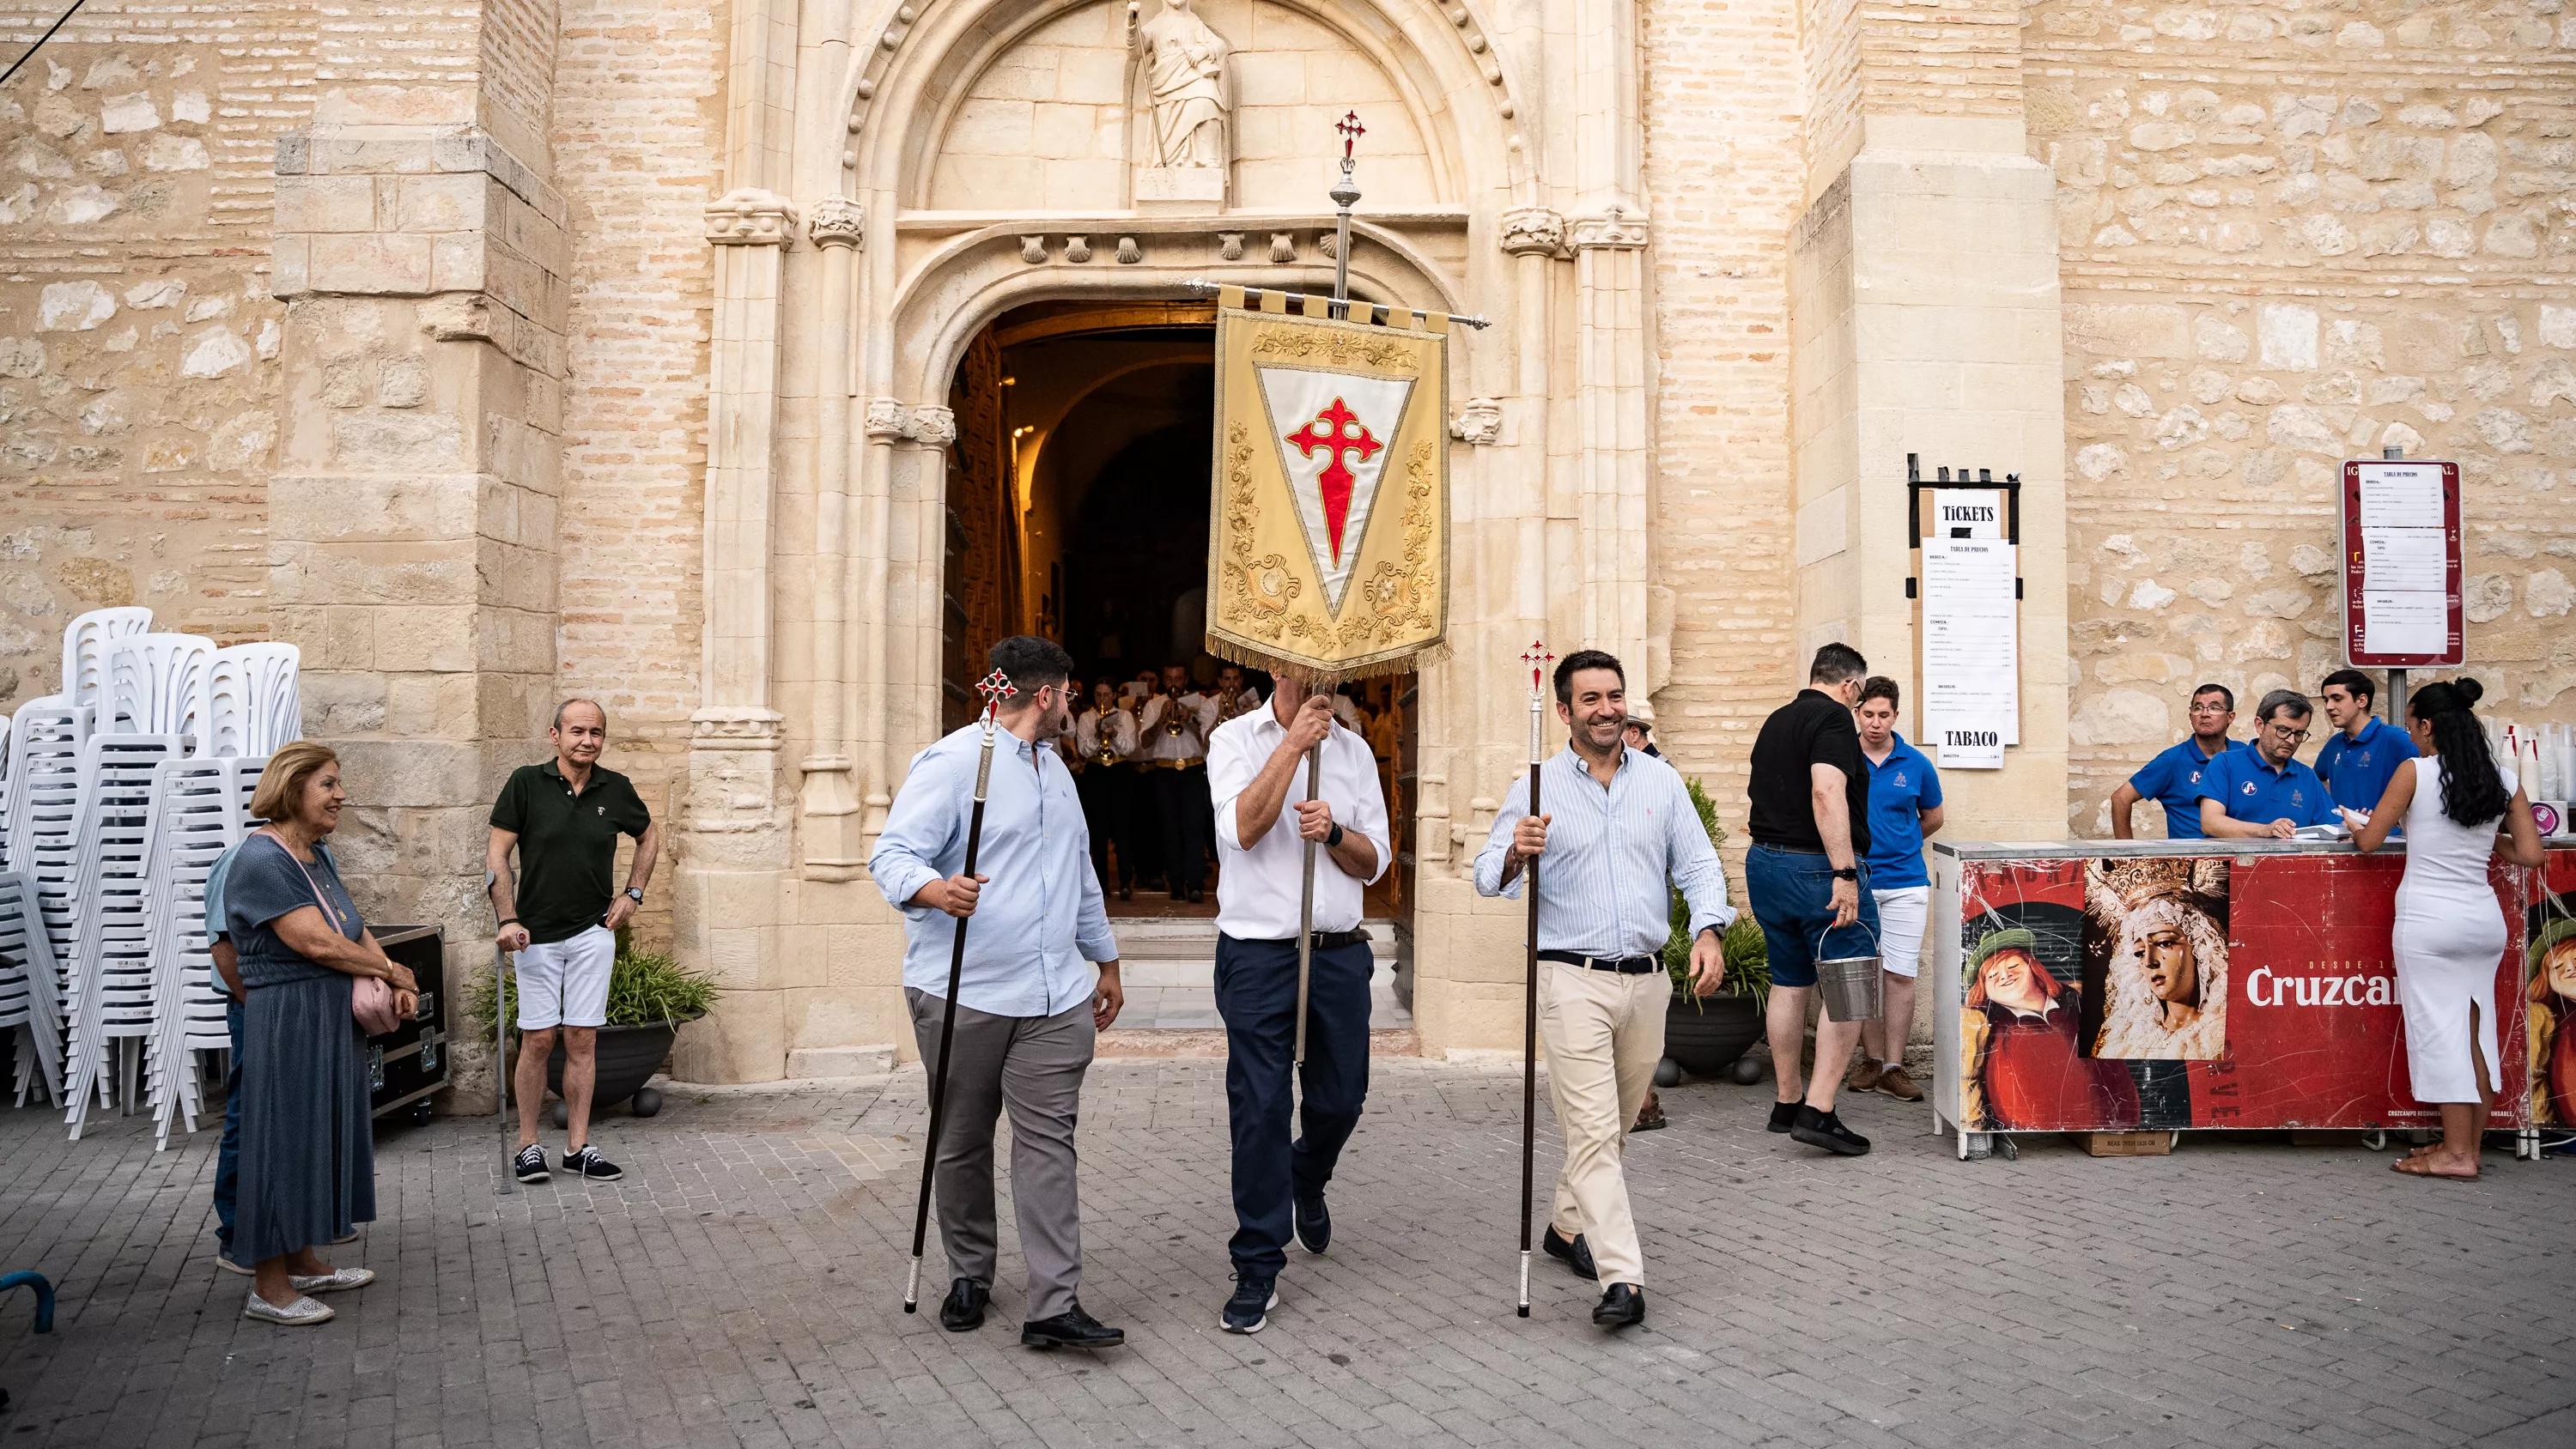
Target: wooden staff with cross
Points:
x,y
1537,659
995,687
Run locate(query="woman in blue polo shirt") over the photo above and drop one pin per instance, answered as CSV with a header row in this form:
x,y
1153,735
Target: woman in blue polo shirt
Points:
x,y
1904,808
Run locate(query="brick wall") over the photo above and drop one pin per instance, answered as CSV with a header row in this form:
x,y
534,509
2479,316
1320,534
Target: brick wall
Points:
x,y
637,126
1725,179
138,347
2289,239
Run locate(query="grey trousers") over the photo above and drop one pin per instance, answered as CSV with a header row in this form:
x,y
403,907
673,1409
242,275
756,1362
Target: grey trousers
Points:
x,y
1034,1065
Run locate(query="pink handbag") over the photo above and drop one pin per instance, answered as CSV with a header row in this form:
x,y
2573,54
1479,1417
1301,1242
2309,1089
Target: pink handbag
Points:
x,y
371,998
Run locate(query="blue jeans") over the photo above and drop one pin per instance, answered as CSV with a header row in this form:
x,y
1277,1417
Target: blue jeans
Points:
x,y
228,1156
1256,993
1793,899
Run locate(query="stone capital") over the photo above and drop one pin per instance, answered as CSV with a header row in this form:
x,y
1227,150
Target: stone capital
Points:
x,y
1618,229
934,425
1479,422
836,221
749,216
735,727
887,418
1533,230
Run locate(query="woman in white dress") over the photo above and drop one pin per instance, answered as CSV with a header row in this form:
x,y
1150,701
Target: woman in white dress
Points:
x,y
2452,799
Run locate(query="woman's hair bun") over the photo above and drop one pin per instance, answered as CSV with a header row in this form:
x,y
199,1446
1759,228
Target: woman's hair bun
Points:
x,y
2470,690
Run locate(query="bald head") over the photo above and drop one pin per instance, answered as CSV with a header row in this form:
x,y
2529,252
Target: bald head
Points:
x,y
580,731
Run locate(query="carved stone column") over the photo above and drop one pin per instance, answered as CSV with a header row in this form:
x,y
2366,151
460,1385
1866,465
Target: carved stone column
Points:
x,y
830,830
1611,413
728,906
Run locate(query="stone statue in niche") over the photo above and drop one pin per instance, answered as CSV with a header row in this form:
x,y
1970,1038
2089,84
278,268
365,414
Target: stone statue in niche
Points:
x,y
1191,101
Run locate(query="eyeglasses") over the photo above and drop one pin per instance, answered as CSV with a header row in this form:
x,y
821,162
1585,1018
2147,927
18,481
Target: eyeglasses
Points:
x,y
2288,737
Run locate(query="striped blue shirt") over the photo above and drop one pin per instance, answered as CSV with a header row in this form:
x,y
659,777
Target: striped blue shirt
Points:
x,y
1610,852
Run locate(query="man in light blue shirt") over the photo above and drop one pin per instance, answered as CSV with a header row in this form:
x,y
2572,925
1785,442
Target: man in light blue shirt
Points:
x,y
1615,825
1904,810
1028,1005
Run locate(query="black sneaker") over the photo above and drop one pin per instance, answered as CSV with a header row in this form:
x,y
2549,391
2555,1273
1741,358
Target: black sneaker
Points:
x,y
1254,1297
1576,1253
1784,1115
1825,1130
1314,1223
530,1164
589,1164
1072,1328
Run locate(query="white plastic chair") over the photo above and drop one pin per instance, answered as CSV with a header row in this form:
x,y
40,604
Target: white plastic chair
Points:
x,y
159,684
111,997
28,1005
255,700
85,641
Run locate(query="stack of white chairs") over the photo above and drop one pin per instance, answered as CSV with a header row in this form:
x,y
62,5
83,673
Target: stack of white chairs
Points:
x,y
201,808
28,1006
112,1001
116,797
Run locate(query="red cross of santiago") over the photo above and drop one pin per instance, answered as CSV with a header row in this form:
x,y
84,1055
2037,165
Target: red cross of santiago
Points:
x,y
1342,433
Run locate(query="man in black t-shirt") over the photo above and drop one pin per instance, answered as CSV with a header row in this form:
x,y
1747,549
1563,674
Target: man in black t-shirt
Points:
x,y
561,915
1809,882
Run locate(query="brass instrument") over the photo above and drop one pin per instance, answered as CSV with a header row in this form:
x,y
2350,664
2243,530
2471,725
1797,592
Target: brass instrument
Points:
x,y
1172,714
1229,705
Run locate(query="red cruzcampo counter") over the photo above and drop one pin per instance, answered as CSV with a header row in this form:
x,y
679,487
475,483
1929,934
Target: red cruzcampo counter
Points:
x,y
2118,986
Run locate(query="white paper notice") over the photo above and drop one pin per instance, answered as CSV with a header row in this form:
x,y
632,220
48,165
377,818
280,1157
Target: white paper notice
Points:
x,y
2405,559
2404,623
1971,651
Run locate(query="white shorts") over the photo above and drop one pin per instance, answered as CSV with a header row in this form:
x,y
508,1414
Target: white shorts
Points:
x,y
565,983
1902,915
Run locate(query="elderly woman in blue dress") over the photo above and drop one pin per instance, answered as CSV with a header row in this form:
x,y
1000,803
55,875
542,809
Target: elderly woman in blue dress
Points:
x,y
308,1173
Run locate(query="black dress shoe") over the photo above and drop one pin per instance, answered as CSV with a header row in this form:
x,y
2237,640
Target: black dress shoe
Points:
x,y
964,1310
1576,1253
1624,1306
1072,1328
1784,1115
1825,1130
1314,1222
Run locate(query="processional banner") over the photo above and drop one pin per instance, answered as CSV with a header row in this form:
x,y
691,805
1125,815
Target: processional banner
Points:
x,y
1328,550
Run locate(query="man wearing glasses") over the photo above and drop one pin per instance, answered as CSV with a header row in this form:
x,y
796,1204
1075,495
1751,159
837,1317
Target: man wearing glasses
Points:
x,y
2172,779
2262,790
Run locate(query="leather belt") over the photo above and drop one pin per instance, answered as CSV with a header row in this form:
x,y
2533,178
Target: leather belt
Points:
x,y
1332,940
1785,849
1624,965
1192,763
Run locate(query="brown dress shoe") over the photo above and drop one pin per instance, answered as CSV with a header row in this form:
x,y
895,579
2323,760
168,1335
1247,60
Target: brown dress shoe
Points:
x,y
1898,1083
1863,1076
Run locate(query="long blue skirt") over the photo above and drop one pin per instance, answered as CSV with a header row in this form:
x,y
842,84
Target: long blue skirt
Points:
x,y
308,1152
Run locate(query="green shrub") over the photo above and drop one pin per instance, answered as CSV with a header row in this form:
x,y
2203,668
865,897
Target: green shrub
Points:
x,y
644,988
1748,959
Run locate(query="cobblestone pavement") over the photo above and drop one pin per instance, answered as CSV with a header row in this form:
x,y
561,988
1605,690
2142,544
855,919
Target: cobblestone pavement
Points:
x,y
741,1287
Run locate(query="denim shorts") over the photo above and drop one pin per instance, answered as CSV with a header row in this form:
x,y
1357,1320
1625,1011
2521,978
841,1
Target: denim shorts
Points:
x,y
1793,899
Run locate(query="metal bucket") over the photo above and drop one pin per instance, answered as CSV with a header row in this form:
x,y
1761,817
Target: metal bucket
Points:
x,y
1850,984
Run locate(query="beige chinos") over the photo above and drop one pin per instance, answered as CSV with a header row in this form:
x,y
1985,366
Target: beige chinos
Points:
x,y
1604,1033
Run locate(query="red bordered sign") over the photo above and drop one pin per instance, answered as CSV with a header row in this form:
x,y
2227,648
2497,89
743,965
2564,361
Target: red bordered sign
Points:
x,y
2401,565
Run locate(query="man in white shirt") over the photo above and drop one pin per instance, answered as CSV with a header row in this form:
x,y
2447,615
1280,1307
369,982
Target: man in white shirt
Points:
x,y
1257,769
1233,697
1103,737
1175,727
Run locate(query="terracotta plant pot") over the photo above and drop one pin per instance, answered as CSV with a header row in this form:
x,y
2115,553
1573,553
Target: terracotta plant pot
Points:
x,y
1706,1035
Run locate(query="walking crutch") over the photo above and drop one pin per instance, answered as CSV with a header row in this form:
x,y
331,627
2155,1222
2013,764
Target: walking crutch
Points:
x,y
995,688
1536,659
500,1039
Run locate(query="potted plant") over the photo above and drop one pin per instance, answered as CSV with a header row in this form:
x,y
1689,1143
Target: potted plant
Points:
x,y
1703,1035
650,997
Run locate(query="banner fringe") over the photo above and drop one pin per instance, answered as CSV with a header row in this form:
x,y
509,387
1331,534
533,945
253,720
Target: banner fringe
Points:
x,y
1234,652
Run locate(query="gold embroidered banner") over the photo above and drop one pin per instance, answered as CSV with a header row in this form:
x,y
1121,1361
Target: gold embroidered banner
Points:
x,y
1328,554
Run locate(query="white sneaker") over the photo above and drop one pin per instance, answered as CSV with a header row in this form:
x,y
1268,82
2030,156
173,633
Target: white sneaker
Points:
x,y
332,1282
294,1315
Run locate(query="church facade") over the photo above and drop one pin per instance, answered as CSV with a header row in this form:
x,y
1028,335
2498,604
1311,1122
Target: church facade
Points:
x,y
661,353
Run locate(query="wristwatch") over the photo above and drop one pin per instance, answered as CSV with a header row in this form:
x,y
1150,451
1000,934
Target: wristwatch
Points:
x,y
1334,840
635,894
1849,872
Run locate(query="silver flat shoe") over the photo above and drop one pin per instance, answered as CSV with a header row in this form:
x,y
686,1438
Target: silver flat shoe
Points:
x,y
297,1314
336,1281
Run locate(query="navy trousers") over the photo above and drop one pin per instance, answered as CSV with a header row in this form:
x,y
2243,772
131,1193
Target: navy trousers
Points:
x,y
1256,993
228,1155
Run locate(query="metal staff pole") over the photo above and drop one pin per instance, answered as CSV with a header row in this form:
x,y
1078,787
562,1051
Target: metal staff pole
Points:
x,y
1536,659
1306,907
501,1039
995,688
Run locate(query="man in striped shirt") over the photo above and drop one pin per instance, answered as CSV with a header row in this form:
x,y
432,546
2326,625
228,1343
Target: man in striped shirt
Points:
x,y
1604,912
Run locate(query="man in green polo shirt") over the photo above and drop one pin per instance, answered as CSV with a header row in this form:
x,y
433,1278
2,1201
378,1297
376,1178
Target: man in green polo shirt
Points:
x,y
560,914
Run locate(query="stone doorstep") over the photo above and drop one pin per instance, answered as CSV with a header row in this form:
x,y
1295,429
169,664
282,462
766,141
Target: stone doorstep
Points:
x,y
1174,1042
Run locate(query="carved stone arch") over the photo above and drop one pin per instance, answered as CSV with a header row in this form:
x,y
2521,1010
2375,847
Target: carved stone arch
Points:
x,y
898,100
963,286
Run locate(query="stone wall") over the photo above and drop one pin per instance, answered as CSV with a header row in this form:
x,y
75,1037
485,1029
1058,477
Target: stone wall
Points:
x,y
2292,237
637,134
139,348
